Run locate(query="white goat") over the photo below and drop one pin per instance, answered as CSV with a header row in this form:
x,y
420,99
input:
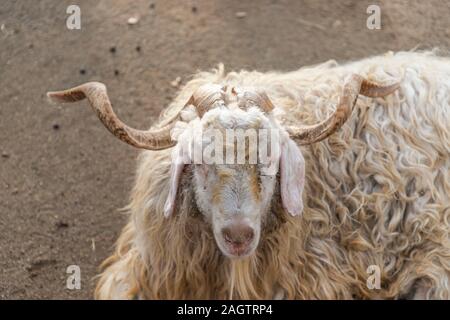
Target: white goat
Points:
x,y
375,194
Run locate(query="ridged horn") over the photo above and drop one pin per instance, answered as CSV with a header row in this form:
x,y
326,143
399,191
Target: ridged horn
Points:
x,y
354,86
95,92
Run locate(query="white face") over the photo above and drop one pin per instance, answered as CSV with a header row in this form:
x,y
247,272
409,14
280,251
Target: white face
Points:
x,y
235,199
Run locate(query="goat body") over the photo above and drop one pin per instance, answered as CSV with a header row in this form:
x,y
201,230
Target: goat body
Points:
x,y
376,194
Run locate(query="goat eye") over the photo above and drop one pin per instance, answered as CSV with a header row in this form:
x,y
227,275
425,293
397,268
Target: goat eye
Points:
x,y
267,176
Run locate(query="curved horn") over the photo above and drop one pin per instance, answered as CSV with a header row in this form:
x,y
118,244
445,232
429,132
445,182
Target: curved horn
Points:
x,y
253,96
205,97
95,92
353,86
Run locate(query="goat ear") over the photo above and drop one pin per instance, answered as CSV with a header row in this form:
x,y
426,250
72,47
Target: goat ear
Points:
x,y
179,159
292,177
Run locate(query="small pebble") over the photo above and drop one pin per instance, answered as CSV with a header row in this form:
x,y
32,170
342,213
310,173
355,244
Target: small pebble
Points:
x,y
138,48
112,49
5,155
152,6
337,23
194,9
241,14
176,82
133,20
116,72
82,71
61,224
55,126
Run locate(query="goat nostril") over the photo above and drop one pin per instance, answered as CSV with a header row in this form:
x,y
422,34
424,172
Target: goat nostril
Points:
x,y
227,235
249,235
246,235
238,235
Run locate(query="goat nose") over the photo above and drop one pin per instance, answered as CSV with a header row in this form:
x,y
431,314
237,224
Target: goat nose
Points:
x,y
238,235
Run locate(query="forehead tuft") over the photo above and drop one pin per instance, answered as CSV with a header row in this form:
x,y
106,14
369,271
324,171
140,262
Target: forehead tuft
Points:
x,y
232,117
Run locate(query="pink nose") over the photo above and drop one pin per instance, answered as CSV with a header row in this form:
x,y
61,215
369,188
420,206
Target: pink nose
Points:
x,y
238,235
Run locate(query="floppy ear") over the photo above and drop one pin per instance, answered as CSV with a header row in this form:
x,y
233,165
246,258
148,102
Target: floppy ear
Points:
x,y
179,159
292,177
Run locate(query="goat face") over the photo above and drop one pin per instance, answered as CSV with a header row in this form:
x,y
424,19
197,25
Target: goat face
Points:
x,y
234,195
234,198
236,153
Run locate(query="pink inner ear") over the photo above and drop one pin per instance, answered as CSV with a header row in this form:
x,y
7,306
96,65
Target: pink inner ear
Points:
x,y
176,168
292,178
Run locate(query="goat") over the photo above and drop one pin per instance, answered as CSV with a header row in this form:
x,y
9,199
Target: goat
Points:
x,y
361,185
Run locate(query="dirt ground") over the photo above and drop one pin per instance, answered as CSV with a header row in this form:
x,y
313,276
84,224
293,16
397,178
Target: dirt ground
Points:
x,y
63,177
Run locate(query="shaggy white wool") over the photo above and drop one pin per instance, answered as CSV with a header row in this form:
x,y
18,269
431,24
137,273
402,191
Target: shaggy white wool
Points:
x,y
376,193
